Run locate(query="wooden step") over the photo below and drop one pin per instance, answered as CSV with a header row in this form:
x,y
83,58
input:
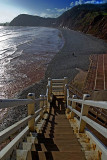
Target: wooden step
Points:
x,y
58,93
57,147
54,140
54,133
58,155
57,84
60,123
56,125
61,128
58,136
59,132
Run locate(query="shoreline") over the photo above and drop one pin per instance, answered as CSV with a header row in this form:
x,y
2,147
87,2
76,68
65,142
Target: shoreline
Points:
x,y
74,54
26,63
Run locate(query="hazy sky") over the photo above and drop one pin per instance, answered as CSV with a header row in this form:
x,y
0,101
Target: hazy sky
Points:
x,y
45,8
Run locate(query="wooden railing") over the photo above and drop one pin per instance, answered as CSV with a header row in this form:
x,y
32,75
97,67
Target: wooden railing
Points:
x,y
74,91
58,87
22,128
32,118
83,118
97,114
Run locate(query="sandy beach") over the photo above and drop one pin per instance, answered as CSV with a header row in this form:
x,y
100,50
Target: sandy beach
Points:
x,y
75,54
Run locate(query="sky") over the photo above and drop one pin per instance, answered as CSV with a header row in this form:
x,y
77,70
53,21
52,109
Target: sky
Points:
x,y
9,9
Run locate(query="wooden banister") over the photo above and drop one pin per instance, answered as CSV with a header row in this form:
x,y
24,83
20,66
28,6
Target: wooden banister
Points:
x,y
84,112
6,152
84,119
32,118
7,103
13,128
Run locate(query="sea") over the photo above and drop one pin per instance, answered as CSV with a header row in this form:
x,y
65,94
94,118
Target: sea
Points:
x,y
25,53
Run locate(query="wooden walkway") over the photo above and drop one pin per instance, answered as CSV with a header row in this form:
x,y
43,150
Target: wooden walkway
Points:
x,y
57,140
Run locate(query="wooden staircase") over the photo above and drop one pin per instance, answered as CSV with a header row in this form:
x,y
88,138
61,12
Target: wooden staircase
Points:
x,y
50,134
57,140
58,88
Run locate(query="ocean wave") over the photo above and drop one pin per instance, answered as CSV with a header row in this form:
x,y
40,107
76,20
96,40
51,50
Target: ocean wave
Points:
x,y
24,53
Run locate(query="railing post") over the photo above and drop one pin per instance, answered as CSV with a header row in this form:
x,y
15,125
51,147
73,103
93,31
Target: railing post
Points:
x,y
48,95
84,112
45,103
41,105
50,80
65,92
66,80
68,102
31,111
73,106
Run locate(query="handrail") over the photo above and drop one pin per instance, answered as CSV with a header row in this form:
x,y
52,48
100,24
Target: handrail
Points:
x,y
84,119
99,104
4,154
12,129
77,91
102,130
6,103
84,112
76,100
33,117
28,122
75,111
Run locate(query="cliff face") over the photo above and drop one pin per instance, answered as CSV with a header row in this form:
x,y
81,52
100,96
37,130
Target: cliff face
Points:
x,y
88,18
91,19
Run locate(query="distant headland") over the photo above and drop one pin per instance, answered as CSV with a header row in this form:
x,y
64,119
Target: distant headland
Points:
x,y
88,18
